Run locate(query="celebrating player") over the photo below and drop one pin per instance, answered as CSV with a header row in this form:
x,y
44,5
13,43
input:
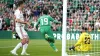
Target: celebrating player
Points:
x,y
19,27
45,28
84,42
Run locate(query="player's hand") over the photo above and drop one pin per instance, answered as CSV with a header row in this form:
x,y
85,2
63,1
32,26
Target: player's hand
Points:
x,y
28,24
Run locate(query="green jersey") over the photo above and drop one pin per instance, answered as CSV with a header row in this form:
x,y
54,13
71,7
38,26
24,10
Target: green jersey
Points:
x,y
45,20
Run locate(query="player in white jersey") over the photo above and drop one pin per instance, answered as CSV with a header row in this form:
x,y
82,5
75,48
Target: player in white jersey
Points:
x,y
19,27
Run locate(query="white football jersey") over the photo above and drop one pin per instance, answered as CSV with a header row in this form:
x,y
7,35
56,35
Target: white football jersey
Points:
x,y
19,15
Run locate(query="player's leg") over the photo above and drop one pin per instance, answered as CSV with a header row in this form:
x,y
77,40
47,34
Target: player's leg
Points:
x,y
19,44
78,48
48,38
72,48
75,48
25,42
49,34
51,39
43,34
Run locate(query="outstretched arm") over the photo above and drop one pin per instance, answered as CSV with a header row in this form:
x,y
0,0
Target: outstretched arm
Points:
x,y
55,21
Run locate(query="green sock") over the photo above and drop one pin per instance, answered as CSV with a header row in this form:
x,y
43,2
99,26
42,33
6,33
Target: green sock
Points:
x,y
52,45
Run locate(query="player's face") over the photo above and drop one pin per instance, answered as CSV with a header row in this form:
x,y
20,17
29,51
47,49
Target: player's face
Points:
x,y
22,5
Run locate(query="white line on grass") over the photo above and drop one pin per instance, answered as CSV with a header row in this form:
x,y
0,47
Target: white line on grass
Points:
x,y
93,53
85,54
7,47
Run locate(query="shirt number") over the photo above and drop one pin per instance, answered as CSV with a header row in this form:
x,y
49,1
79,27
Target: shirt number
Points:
x,y
44,21
87,40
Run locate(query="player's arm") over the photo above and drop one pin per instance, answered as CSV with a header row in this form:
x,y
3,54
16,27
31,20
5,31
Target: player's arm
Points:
x,y
23,22
19,21
55,21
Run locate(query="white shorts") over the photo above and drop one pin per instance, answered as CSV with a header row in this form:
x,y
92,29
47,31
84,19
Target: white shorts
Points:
x,y
21,32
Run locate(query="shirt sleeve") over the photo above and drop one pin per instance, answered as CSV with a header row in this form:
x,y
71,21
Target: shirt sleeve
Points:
x,y
80,40
55,21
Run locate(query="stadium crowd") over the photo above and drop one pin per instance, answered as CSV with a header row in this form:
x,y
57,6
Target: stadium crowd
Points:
x,y
83,13
80,13
32,11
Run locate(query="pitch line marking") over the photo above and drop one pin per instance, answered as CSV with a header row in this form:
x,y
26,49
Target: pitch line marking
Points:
x,y
7,47
93,53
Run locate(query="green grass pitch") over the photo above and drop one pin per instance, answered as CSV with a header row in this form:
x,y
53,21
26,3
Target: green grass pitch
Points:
x,y
42,48
35,48
94,52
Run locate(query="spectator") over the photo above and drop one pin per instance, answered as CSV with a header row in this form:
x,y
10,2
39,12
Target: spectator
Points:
x,y
79,13
92,7
97,24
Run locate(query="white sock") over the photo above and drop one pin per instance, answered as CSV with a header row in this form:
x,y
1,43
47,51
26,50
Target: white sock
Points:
x,y
24,48
17,47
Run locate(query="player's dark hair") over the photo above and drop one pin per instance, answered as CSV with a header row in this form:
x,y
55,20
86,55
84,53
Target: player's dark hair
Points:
x,y
18,3
45,12
84,28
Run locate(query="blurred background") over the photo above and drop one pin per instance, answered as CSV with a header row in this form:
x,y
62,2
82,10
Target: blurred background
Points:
x,y
32,12
80,13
